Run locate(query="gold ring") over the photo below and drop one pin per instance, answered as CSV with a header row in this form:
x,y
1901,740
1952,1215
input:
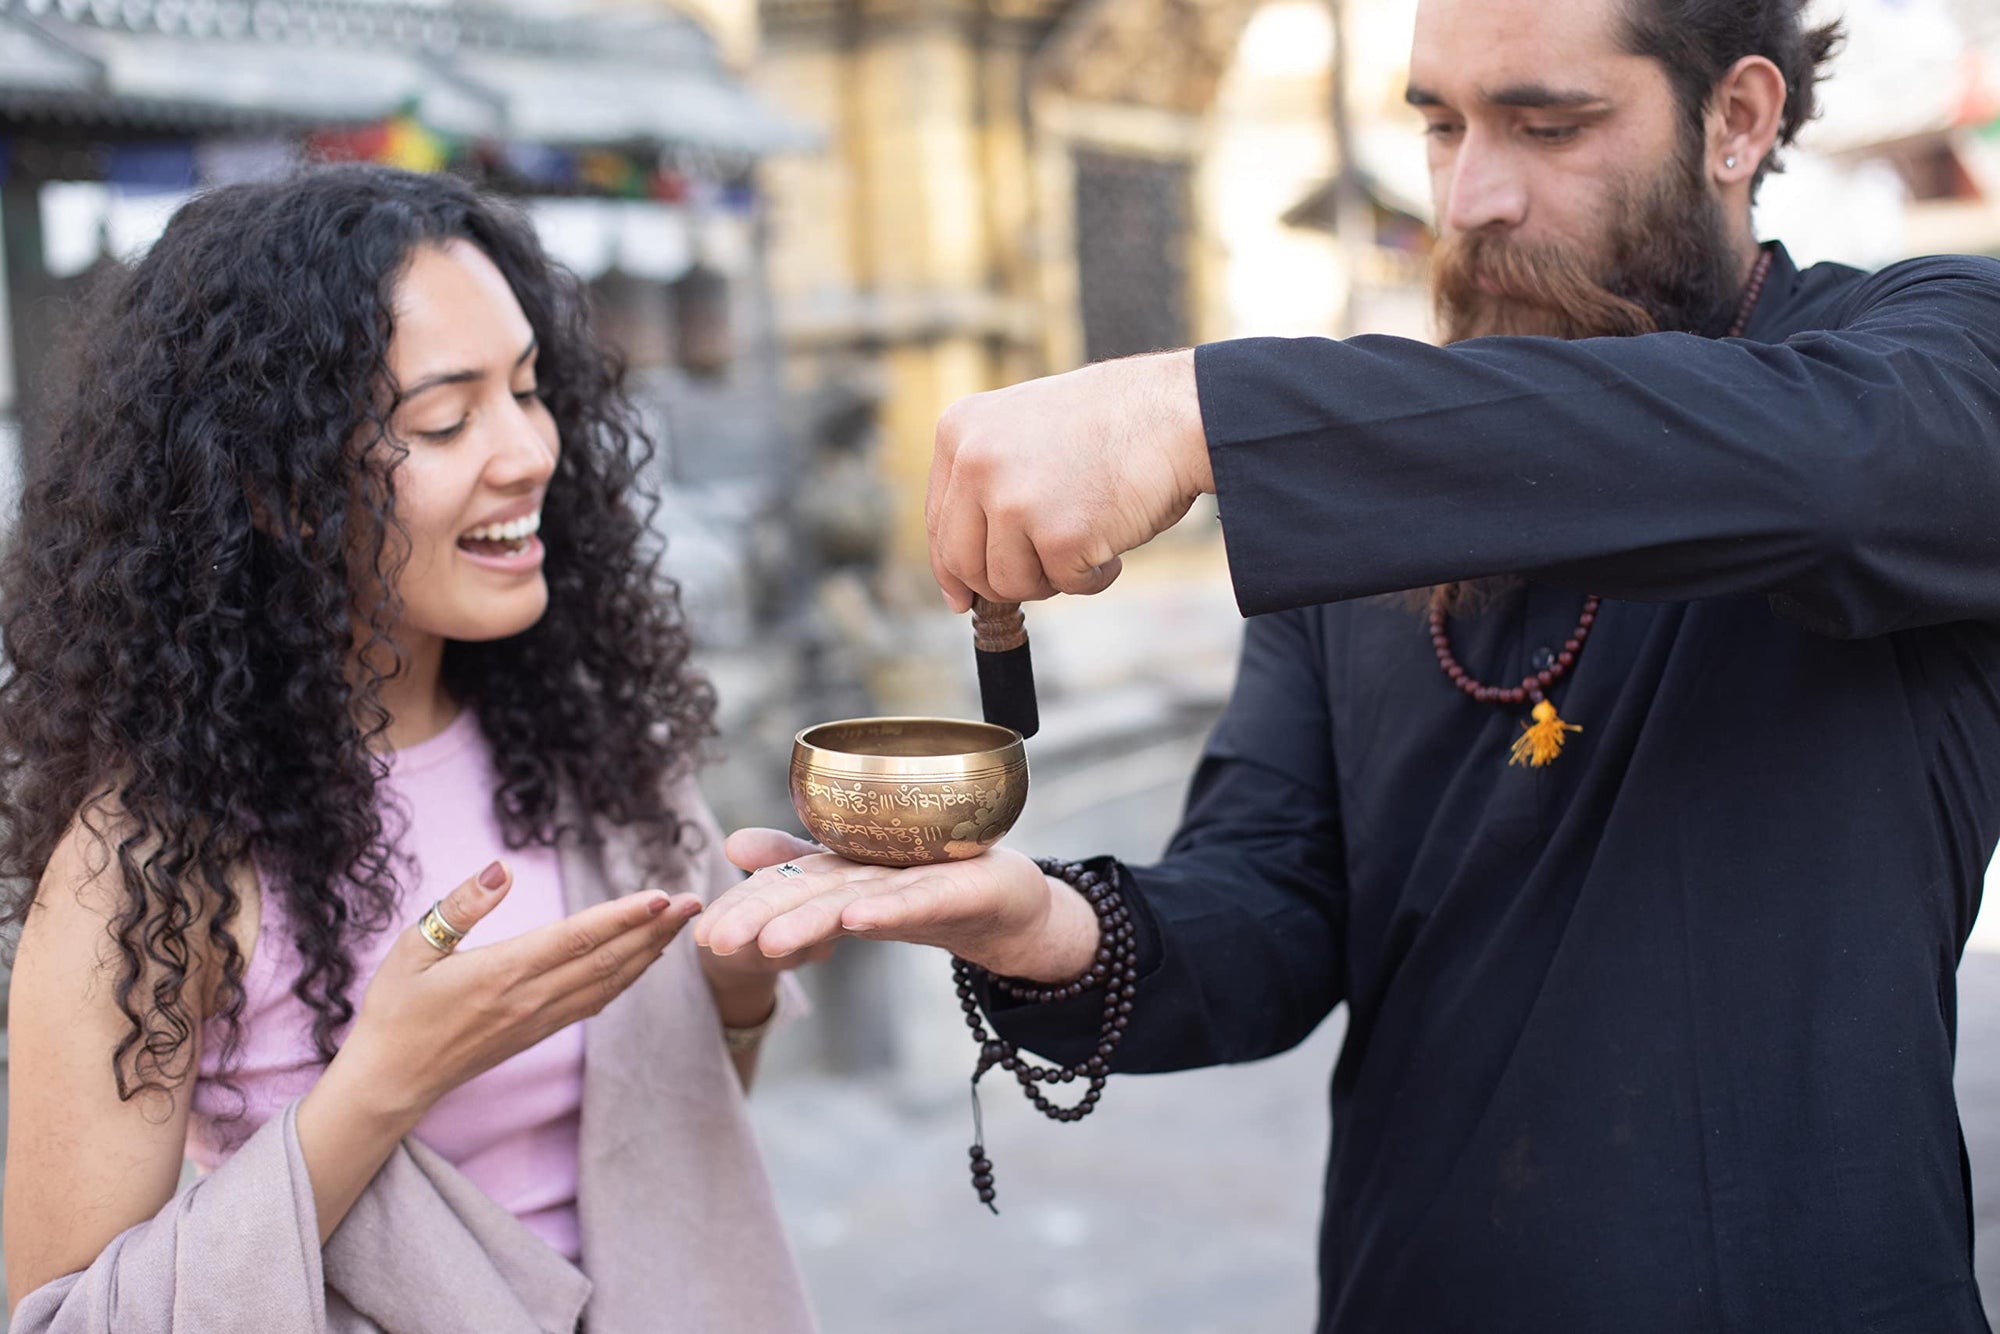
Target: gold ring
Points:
x,y
438,931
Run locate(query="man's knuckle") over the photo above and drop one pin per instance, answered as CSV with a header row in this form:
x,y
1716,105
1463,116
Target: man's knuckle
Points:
x,y
973,464
577,942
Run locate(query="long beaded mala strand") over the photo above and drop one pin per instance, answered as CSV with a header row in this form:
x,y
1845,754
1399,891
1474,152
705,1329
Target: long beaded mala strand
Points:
x,y
1115,969
1542,739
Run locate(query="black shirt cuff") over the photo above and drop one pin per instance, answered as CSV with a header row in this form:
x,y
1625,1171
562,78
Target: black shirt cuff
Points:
x,y
1260,550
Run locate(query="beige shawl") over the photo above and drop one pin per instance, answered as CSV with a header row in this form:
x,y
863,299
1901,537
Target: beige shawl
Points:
x,y
680,1232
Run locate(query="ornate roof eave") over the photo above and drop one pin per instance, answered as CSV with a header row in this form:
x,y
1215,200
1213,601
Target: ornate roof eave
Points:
x,y
440,29
1166,54
842,21
205,65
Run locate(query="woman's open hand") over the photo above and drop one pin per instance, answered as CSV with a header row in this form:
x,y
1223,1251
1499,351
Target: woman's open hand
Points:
x,y
430,1021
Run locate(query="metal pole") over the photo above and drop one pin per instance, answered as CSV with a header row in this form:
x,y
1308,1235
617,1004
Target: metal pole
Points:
x,y
1353,217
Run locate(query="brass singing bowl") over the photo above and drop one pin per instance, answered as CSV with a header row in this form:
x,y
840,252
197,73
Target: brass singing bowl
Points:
x,y
908,791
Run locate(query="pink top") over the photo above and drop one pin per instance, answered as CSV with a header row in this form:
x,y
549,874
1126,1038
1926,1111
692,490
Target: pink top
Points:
x,y
513,1130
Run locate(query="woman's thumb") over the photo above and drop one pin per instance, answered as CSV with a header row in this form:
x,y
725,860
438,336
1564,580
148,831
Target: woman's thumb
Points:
x,y
462,909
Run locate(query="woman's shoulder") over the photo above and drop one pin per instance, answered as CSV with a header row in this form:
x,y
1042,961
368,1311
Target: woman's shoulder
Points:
x,y
86,911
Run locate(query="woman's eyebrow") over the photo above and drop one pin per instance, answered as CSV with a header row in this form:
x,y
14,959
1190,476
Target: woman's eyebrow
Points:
x,y
466,376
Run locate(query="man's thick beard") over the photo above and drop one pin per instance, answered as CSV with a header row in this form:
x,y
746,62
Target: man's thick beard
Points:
x,y
1667,266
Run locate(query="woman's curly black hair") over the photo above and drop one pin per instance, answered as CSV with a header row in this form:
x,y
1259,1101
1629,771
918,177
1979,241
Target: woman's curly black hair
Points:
x,y
182,599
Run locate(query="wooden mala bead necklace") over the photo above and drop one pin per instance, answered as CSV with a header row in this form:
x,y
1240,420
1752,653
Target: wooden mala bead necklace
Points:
x,y
1115,970
1541,740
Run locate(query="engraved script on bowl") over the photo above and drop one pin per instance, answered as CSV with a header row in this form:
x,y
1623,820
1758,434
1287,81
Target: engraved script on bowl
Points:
x,y
934,808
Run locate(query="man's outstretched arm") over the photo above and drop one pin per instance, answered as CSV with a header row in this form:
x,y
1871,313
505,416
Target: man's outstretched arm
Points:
x,y
1849,475
1240,924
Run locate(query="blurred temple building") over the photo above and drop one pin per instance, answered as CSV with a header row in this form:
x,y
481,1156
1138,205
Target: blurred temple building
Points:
x,y
1016,187
1905,158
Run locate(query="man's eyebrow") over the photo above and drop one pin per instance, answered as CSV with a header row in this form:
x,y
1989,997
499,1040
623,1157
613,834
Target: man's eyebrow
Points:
x,y
1541,97
465,376
1422,97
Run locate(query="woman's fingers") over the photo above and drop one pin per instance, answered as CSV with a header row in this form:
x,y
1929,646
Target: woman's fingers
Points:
x,y
547,948
463,908
642,941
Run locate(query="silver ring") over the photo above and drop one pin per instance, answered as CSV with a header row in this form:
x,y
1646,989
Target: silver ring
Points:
x,y
437,930
456,930
789,870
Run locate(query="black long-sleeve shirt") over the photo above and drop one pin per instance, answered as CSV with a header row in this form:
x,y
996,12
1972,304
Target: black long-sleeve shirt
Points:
x,y
1659,1037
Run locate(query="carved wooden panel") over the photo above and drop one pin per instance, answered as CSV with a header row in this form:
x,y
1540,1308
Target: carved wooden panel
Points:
x,y
1133,242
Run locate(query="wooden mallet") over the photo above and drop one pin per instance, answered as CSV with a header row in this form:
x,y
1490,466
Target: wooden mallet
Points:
x,y
1006,672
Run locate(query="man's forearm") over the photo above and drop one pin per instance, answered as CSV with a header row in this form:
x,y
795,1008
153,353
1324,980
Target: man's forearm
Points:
x,y
1844,473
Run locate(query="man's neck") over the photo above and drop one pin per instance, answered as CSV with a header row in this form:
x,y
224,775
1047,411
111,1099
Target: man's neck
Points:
x,y
1746,248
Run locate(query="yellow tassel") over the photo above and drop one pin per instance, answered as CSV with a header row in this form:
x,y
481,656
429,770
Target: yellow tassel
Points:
x,y
1541,741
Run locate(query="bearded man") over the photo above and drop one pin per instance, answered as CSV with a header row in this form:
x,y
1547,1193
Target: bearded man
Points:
x,y
1651,1030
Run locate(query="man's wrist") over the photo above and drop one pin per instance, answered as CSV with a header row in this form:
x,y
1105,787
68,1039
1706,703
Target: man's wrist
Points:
x,y
1060,949
1183,399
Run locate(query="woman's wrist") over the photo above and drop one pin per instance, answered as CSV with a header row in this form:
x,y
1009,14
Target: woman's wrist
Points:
x,y
742,999
370,1095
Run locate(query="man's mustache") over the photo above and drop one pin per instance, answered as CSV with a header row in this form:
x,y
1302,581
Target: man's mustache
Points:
x,y
1487,284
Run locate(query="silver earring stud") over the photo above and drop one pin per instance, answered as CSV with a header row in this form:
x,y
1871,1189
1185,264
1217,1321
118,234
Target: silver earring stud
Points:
x,y
1730,162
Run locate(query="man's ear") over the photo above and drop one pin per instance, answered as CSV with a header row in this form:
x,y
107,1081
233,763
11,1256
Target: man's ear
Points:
x,y
1743,121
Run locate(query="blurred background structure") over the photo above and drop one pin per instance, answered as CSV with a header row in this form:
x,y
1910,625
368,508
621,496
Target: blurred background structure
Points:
x,y
813,224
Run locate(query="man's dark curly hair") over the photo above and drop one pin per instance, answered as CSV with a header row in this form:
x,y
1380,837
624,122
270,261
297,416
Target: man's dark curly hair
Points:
x,y
1697,41
183,596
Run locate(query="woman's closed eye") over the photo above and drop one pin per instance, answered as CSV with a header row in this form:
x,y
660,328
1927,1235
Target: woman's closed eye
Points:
x,y
525,397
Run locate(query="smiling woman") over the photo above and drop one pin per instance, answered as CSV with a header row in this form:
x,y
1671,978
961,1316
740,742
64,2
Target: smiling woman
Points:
x,y
332,591
483,447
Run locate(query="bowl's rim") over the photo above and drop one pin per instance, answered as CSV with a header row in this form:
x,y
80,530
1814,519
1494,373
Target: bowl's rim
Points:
x,y
1008,753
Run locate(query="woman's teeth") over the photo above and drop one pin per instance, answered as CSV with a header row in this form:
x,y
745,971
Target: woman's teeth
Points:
x,y
511,536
